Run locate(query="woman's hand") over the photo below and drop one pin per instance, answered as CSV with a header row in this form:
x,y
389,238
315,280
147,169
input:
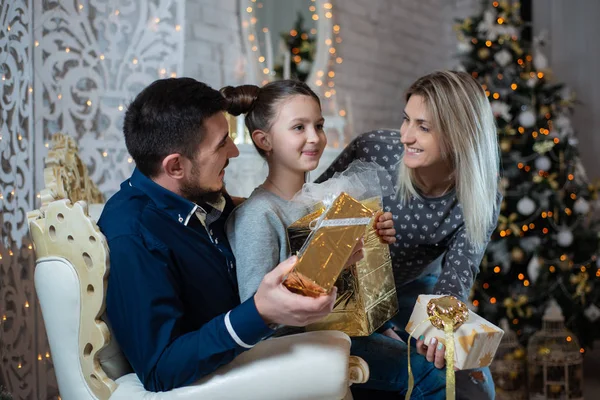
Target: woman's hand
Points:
x,y
385,228
434,351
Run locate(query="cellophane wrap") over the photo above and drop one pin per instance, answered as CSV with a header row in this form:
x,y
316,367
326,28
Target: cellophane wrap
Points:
x,y
366,290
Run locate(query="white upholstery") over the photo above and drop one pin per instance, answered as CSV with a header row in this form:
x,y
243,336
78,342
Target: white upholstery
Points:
x,y
312,365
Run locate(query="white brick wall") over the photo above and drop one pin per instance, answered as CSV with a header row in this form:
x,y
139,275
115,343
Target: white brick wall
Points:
x,y
386,45
213,48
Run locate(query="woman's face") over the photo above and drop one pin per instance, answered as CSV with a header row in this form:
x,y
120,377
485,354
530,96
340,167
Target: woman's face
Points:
x,y
421,142
297,134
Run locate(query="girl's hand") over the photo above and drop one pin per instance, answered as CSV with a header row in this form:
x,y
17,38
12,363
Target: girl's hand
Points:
x,y
385,228
392,334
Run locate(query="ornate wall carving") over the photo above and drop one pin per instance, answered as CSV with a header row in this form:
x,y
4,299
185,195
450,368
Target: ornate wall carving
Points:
x,y
71,67
93,58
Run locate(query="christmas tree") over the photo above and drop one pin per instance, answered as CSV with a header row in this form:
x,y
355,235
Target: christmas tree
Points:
x,y
301,43
546,242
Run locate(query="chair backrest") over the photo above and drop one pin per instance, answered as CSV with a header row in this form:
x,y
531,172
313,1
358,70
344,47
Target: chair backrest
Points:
x,y
71,273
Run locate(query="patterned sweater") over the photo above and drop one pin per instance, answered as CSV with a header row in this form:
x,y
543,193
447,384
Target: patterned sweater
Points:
x,y
426,228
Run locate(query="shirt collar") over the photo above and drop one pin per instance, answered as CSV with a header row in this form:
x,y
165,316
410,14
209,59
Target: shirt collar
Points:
x,y
179,208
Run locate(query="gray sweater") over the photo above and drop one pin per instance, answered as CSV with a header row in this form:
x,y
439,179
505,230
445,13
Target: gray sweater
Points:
x,y
257,234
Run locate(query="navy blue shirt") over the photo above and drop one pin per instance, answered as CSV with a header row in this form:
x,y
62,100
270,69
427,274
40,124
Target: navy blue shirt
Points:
x,y
172,298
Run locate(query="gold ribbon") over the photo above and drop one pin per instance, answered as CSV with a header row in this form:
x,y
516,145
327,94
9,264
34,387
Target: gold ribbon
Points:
x,y
447,313
583,287
510,304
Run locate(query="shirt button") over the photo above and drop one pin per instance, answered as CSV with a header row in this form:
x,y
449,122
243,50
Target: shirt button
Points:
x,y
211,232
216,241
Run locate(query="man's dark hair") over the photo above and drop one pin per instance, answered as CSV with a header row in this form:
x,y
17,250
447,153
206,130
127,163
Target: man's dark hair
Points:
x,y
168,117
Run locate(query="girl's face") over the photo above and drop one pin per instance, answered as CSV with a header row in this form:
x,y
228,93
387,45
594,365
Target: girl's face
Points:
x,y
297,136
421,142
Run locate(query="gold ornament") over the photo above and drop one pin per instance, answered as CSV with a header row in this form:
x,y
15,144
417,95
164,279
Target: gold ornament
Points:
x,y
519,353
505,145
516,306
517,254
483,53
504,222
556,388
583,286
542,147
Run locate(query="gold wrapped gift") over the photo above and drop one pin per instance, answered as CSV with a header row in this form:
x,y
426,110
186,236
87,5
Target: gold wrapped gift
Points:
x,y
366,291
475,339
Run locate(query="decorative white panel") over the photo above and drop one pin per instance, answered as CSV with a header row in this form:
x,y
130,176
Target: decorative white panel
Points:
x,y
94,56
16,142
67,66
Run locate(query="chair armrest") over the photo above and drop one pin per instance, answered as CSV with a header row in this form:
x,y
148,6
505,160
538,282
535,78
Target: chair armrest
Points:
x,y
306,366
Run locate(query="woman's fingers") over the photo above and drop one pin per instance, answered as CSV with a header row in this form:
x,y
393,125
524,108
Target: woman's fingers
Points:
x,y
431,346
440,352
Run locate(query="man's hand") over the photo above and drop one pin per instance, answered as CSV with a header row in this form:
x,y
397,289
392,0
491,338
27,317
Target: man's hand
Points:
x,y
385,228
277,305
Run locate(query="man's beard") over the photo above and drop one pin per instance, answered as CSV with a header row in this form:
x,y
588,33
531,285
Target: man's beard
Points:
x,y
194,192
198,194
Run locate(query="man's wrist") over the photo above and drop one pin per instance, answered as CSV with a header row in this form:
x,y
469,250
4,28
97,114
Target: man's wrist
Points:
x,y
259,308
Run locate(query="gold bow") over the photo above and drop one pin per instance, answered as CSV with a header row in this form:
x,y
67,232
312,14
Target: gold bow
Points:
x,y
504,222
511,305
551,178
583,286
594,188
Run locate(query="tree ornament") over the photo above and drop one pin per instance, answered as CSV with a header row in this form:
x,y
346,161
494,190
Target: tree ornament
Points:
x,y
592,313
501,109
505,145
581,206
526,206
539,59
527,119
543,163
517,254
483,53
464,47
503,58
533,268
564,238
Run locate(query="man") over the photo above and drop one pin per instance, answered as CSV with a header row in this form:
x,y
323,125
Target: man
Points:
x,y
172,296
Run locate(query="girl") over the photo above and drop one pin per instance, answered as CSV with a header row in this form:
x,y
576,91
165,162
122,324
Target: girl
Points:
x,y
286,124
446,205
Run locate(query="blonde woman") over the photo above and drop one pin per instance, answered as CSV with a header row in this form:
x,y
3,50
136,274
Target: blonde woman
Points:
x,y
445,207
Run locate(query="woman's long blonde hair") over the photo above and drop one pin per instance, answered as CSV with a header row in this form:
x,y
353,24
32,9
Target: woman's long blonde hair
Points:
x,y
462,116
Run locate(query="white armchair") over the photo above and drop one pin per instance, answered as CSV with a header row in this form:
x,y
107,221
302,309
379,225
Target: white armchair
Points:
x,y
70,278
